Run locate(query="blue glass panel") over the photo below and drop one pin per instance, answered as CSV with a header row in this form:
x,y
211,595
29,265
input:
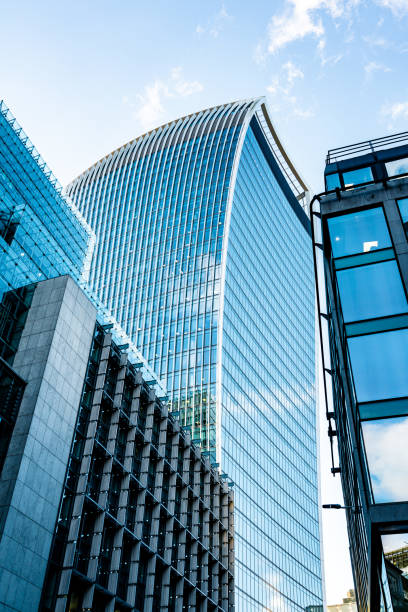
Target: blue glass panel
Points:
x,y
357,177
397,167
371,291
387,454
332,181
379,364
159,216
359,232
403,208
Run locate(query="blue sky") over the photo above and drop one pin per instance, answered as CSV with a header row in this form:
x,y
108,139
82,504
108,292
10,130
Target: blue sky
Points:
x,y
83,77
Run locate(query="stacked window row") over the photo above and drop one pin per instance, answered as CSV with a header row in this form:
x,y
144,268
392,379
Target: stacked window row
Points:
x,y
145,522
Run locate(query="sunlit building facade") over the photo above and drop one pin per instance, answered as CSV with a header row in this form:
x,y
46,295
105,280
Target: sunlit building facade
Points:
x,y
361,253
203,254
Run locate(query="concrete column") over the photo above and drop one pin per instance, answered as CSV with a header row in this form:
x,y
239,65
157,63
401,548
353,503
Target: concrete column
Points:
x,y
52,357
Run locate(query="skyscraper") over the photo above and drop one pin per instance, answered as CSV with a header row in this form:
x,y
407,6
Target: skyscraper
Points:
x,y
203,254
97,482
361,250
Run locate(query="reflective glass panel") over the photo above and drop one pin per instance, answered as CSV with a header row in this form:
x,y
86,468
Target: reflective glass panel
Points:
x,y
359,232
387,455
357,177
371,291
403,208
397,167
379,364
332,181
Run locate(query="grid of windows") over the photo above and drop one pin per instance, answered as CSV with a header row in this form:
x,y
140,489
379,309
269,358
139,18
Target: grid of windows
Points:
x,y
144,521
373,306
268,398
159,207
41,235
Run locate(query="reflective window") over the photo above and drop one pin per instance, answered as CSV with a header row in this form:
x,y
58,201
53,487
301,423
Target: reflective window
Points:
x,y
371,291
359,232
387,455
379,364
332,181
357,177
397,167
393,545
403,208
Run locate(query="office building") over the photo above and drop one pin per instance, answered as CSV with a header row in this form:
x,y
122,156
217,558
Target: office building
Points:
x,y
98,483
41,234
360,240
71,397
203,255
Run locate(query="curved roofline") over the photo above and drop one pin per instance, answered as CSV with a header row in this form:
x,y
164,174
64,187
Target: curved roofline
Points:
x,y
260,110
160,127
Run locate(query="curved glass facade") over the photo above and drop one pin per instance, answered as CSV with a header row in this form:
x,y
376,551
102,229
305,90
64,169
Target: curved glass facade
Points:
x,y
203,255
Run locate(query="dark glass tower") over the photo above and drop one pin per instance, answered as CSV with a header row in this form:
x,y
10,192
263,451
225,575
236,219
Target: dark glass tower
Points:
x,y
361,245
204,256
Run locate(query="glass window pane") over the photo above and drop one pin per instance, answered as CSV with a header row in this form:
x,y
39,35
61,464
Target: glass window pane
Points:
x,y
379,364
359,232
403,207
357,177
387,455
371,291
332,181
397,167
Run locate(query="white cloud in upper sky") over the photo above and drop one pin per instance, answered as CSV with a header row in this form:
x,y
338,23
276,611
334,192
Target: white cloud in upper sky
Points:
x,y
376,41
150,108
216,24
372,67
293,72
281,87
398,110
302,18
398,7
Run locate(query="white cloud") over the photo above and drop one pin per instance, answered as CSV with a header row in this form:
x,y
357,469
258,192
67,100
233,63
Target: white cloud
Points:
x,y
216,24
150,109
302,18
293,72
182,87
281,88
372,67
398,7
398,110
376,41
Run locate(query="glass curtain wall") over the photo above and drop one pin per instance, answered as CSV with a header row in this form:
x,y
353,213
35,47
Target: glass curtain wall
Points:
x,y
268,394
41,234
159,206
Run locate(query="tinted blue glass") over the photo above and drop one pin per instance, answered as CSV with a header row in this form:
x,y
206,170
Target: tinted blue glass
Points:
x,y
160,207
359,232
357,177
268,413
386,447
403,207
379,364
371,291
332,181
397,167
41,235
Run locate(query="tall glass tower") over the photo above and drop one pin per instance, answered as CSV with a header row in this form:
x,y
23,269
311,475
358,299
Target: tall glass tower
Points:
x,y
203,254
